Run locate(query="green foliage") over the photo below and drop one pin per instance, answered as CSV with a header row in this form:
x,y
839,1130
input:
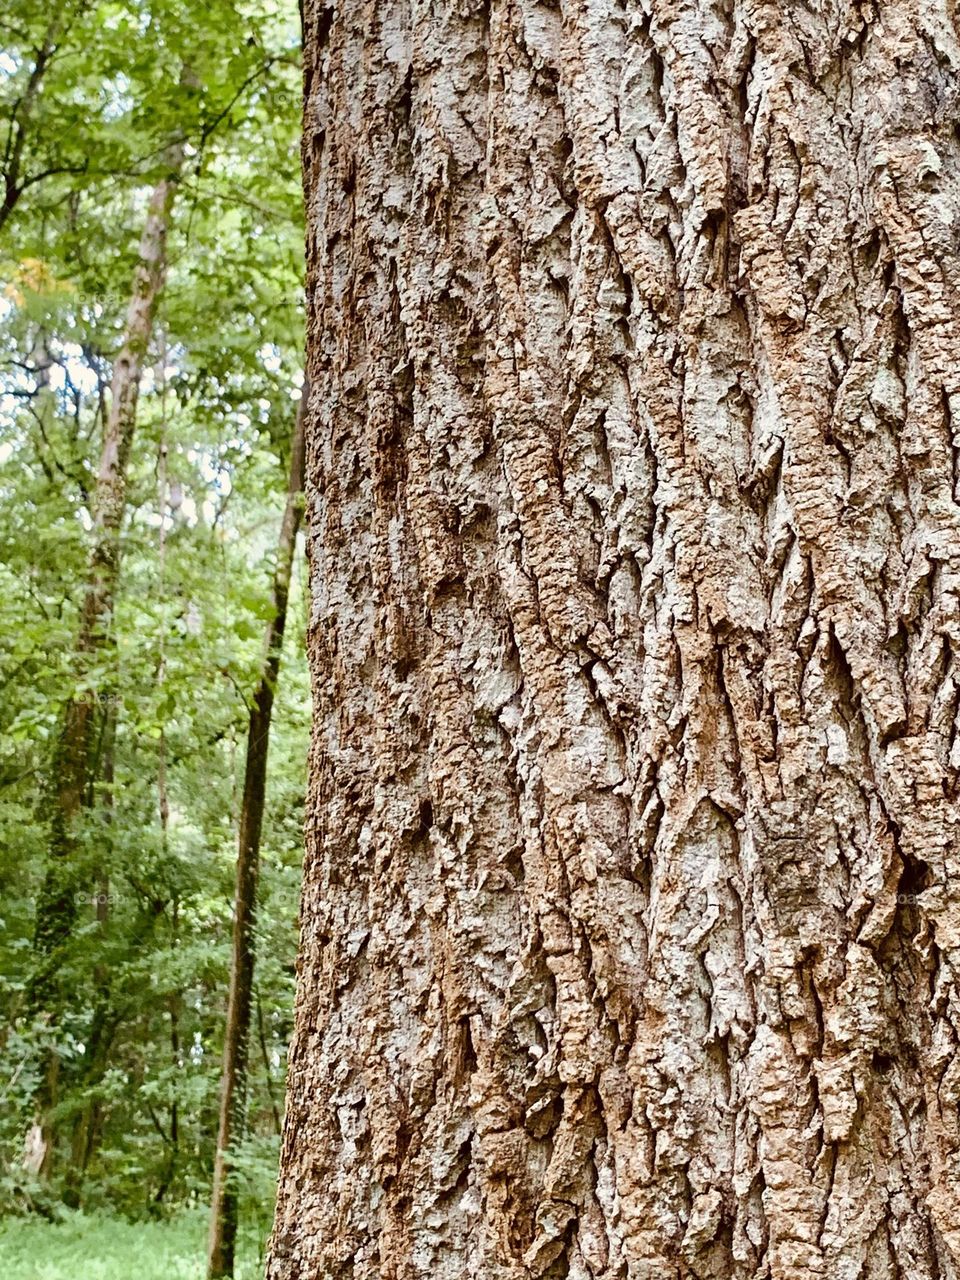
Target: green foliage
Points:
x,y
145,969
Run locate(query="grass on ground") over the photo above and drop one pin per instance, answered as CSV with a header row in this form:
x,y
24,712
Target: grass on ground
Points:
x,y
95,1247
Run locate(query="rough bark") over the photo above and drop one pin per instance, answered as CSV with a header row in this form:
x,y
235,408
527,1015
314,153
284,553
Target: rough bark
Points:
x,y
631,915
74,772
236,1045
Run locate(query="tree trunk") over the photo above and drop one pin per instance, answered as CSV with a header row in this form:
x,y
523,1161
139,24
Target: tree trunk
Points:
x,y
19,122
631,915
73,767
103,1023
233,1081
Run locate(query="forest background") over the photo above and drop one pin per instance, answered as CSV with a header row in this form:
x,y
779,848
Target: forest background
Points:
x,y
115,947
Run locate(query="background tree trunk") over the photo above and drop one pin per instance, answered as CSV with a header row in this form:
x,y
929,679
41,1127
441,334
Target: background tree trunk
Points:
x,y
73,773
18,124
236,1043
631,913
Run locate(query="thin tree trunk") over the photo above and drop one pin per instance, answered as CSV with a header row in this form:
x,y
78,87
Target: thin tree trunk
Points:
x,y
631,916
18,124
175,1007
86,1126
86,1131
73,773
267,1070
163,797
233,1086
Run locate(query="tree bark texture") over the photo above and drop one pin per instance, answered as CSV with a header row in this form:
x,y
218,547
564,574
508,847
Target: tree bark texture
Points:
x,y
236,1045
631,916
